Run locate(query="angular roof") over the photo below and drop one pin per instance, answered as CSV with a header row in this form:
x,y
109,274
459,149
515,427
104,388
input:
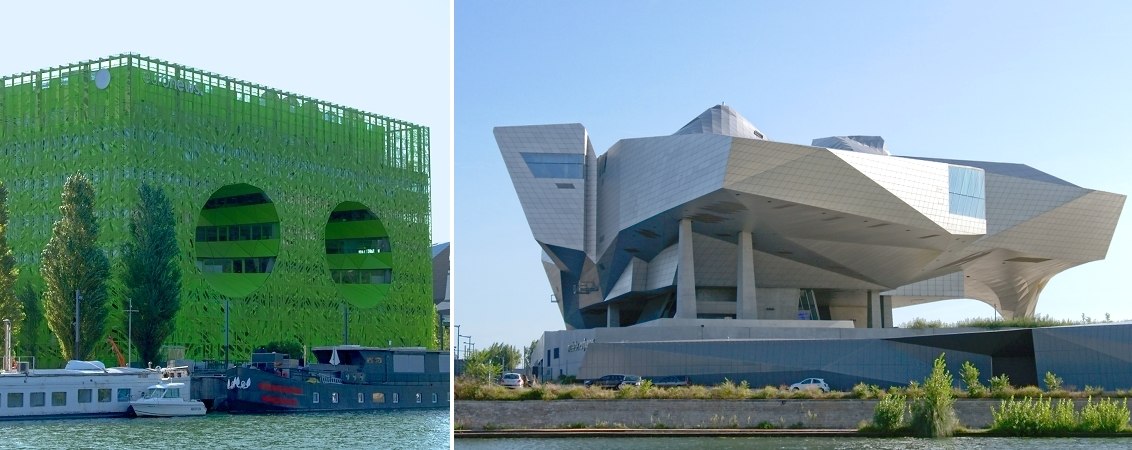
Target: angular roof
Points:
x,y
863,144
721,119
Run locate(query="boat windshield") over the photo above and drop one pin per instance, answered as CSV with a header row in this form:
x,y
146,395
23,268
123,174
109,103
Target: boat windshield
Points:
x,y
154,393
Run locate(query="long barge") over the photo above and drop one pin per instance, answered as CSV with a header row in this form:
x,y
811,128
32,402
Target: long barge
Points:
x,y
343,378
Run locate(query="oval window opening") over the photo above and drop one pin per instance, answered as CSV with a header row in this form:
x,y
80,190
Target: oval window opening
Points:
x,y
237,239
359,254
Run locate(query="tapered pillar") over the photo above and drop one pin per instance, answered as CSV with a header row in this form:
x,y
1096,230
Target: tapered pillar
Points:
x,y
876,318
746,305
685,273
613,316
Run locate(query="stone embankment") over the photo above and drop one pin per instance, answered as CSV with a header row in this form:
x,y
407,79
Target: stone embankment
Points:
x,y
781,413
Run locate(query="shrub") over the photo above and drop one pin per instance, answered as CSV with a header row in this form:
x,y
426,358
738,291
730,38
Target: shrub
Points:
x,y
865,391
728,390
914,391
921,323
1053,382
1026,391
645,390
1065,418
1038,417
970,376
1026,417
1093,390
1105,416
933,415
1000,386
888,415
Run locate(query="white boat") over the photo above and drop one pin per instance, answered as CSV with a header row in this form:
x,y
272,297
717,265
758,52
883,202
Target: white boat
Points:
x,y
81,389
167,400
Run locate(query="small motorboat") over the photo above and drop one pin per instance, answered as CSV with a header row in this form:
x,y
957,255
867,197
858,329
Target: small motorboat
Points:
x,y
166,400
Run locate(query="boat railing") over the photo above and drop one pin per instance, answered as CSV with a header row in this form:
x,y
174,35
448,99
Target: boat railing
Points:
x,y
21,364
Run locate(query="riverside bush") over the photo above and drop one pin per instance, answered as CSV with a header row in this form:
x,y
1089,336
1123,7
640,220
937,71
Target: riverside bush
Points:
x,y
730,391
1053,382
970,376
1039,417
1025,417
888,415
933,415
1104,416
1000,386
864,391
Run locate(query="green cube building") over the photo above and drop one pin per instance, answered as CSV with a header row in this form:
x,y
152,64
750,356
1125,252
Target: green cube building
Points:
x,y
309,219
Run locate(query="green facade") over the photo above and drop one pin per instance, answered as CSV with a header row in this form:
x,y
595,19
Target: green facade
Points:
x,y
324,209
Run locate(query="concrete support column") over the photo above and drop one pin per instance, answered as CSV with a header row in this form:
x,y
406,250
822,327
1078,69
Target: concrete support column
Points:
x,y
876,319
886,311
613,316
685,273
746,306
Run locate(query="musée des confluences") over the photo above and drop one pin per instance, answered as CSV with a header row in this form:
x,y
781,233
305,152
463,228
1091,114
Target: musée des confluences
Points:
x,y
716,252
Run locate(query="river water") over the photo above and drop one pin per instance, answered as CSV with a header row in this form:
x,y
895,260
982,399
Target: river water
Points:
x,y
415,429
792,443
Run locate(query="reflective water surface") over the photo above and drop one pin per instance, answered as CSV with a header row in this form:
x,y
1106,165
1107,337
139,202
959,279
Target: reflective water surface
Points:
x,y
792,443
423,429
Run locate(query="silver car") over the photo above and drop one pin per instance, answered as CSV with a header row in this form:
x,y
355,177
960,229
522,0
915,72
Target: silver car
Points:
x,y
810,383
511,380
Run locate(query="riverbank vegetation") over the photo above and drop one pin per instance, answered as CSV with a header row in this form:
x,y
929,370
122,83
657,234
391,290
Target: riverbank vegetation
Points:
x,y
1037,321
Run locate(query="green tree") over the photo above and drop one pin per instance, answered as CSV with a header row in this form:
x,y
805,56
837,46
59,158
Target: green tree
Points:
x,y
152,272
529,354
479,365
28,335
9,305
72,262
505,355
970,376
933,414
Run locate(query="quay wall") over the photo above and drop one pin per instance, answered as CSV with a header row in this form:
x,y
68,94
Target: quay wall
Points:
x,y
813,414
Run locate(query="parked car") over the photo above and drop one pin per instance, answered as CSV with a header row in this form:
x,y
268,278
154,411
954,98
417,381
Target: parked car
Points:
x,y
810,383
615,381
670,381
511,380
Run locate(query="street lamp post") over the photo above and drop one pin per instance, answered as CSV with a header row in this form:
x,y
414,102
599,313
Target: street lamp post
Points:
x,y
130,334
226,344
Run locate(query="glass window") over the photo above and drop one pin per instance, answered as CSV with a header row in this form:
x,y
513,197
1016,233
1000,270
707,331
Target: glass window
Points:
x,y
396,397
314,398
84,395
15,399
967,192
124,395
418,397
58,399
378,397
333,397
361,398
103,395
38,399
555,165
434,397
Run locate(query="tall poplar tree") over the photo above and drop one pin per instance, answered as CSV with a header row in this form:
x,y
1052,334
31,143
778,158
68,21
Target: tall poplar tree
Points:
x,y
9,305
28,336
73,263
152,277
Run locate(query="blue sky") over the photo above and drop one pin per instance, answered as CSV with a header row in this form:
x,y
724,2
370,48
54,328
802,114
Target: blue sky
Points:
x,y
1038,83
389,58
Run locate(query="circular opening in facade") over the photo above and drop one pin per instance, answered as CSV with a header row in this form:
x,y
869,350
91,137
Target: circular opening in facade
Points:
x,y
237,239
359,254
